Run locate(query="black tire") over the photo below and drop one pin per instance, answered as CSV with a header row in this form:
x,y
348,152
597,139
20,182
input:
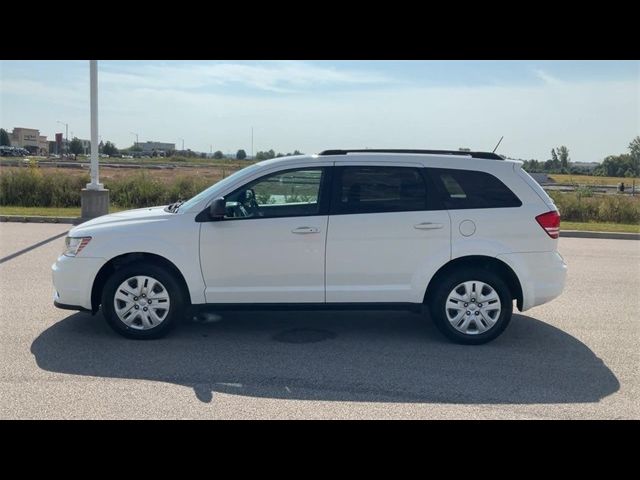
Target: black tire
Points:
x,y
438,300
176,308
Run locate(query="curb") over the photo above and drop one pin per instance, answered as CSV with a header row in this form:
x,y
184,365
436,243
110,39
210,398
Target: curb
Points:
x,y
602,235
40,219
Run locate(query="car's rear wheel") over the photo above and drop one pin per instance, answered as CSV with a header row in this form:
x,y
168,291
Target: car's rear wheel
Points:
x,y
471,306
142,301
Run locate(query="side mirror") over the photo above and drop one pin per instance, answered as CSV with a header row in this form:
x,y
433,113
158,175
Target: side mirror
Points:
x,y
218,209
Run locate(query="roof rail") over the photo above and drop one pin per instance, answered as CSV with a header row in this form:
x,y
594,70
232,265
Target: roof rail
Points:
x,y
486,155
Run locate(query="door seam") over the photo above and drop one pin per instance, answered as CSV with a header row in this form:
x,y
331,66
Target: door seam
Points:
x,y
326,239
204,283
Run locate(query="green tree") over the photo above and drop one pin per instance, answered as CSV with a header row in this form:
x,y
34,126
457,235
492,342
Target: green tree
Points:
x,y
5,140
616,166
241,155
265,155
532,166
218,155
634,147
101,147
109,149
555,162
548,166
563,156
75,147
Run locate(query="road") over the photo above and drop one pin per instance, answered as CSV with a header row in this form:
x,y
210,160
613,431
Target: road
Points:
x,y
577,357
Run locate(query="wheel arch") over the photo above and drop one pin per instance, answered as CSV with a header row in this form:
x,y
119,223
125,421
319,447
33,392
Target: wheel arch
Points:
x,y
125,259
479,261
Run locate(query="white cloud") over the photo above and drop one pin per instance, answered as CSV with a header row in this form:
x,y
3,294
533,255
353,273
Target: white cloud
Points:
x,y
45,92
546,77
592,119
282,76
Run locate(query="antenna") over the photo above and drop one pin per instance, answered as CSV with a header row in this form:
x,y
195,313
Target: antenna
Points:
x,y
494,150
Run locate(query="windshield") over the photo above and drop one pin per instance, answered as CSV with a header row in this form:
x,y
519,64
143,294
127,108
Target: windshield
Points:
x,y
221,184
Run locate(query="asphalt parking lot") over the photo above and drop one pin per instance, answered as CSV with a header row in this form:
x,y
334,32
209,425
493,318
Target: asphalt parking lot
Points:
x,y
576,357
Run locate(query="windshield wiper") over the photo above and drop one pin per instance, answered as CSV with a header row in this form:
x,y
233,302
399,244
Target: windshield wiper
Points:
x,y
175,206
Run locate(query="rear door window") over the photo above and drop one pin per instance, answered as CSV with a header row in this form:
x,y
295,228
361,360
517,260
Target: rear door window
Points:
x,y
371,189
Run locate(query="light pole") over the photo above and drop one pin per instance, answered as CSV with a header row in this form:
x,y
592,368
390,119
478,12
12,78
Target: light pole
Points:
x,y
251,143
95,174
134,133
94,198
182,143
66,136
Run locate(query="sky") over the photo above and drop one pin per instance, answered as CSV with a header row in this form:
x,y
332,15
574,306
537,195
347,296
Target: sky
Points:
x,y
592,107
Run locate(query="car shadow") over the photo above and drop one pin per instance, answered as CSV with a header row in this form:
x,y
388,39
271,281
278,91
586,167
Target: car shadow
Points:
x,y
336,356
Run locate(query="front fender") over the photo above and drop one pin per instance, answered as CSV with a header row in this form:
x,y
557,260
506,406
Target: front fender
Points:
x,y
177,241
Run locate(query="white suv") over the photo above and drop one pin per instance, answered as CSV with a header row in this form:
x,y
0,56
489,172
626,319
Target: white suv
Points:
x,y
464,233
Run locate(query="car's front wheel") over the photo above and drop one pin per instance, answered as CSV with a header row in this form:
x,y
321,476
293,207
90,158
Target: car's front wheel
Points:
x,y
472,306
142,301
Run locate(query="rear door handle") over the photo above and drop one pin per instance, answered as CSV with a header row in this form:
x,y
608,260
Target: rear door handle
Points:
x,y
428,226
303,230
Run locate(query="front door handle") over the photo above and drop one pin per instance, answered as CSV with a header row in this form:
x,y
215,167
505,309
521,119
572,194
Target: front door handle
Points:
x,y
303,230
428,226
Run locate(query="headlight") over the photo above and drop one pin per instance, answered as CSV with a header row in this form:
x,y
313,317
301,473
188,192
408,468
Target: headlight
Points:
x,y
74,245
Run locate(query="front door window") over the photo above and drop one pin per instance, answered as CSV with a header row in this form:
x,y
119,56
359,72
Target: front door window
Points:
x,y
293,193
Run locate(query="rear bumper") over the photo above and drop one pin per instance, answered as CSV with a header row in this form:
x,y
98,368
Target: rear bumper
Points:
x,y
73,280
542,275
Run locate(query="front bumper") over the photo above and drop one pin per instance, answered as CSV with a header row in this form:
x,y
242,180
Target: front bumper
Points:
x,y
542,275
64,306
73,280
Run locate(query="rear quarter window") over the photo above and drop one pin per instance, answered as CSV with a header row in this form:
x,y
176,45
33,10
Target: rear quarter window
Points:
x,y
464,189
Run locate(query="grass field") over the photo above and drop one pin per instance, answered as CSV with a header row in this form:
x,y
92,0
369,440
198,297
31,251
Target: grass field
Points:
x,y
600,227
47,211
593,180
177,161
211,173
56,192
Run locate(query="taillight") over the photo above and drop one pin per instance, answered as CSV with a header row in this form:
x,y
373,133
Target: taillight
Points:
x,y
550,221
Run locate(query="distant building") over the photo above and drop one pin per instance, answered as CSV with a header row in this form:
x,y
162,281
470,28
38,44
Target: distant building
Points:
x,y
150,147
43,145
86,146
30,139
